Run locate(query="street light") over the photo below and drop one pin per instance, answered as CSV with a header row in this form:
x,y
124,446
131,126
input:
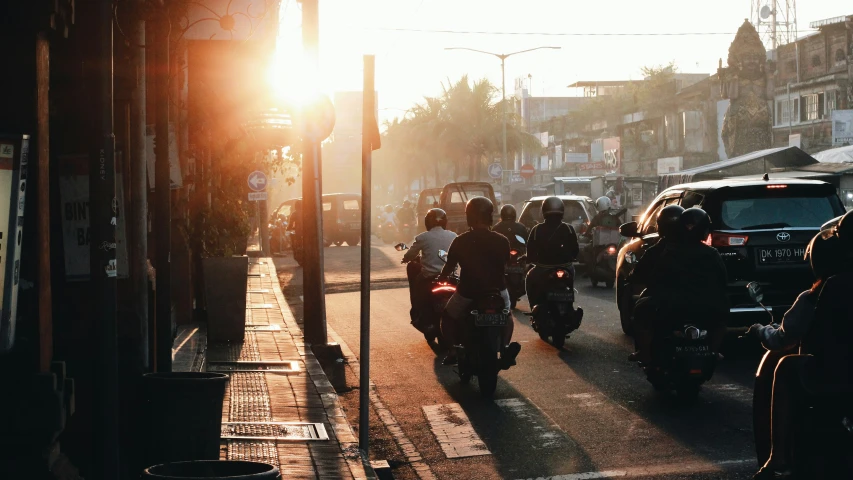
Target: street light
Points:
x,y
503,57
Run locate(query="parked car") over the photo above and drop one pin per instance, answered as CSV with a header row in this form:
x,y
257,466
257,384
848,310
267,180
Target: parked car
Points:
x,y
341,219
429,198
454,196
579,211
761,229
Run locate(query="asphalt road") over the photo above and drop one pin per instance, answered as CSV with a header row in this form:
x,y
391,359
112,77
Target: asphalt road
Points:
x,y
582,412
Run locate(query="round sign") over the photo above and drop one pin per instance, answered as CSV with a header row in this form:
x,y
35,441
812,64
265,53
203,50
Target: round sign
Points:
x,y
495,170
318,118
527,171
258,181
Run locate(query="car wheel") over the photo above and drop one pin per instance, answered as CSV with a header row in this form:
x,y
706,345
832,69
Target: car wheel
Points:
x,y
593,281
353,241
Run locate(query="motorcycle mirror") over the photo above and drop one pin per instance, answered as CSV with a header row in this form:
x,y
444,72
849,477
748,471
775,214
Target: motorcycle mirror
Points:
x,y
442,255
400,247
520,239
755,292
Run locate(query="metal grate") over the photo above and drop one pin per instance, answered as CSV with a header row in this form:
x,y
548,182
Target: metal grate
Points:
x,y
278,431
286,366
260,451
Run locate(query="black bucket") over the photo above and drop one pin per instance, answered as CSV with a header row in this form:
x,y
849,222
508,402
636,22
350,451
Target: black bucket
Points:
x,y
212,469
182,416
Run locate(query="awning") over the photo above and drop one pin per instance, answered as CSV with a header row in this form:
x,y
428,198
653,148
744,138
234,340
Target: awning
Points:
x,y
835,155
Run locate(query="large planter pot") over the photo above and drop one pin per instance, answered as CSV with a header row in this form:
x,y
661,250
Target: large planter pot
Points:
x,y
210,470
225,296
182,414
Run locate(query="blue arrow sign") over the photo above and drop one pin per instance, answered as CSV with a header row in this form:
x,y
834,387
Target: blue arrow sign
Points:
x,y
495,170
258,181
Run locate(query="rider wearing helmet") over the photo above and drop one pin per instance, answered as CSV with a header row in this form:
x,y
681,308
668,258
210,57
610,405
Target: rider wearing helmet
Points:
x,y
551,243
482,255
427,245
820,321
606,216
406,215
688,278
509,227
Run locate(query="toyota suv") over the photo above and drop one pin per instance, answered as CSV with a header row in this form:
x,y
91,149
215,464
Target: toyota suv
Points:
x,y
761,229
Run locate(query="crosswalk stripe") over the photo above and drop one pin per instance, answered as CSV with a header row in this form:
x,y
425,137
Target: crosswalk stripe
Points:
x,y
454,432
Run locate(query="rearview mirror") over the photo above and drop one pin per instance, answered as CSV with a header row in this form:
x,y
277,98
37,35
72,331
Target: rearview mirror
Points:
x,y
520,239
400,247
755,292
629,230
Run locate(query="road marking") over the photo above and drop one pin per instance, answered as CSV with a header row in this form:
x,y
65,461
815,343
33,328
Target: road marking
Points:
x,y
550,436
732,390
588,400
454,431
653,471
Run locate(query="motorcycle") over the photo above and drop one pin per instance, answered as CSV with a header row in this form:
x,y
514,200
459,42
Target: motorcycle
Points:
x,y
482,338
429,317
823,435
278,235
515,270
601,261
406,231
682,360
556,318
386,231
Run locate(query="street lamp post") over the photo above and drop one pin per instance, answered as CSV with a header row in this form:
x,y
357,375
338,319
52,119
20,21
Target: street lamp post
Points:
x,y
503,57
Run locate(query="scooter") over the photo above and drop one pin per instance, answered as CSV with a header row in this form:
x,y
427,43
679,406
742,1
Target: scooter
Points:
x,y
515,270
682,360
482,336
556,318
601,264
429,317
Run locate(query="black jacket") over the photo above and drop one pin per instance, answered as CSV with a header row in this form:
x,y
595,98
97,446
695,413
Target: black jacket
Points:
x,y
830,338
481,255
552,244
509,230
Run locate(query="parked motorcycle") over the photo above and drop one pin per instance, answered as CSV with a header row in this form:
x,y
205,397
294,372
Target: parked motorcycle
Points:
x,y
601,259
823,436
556,318
515,270
429,317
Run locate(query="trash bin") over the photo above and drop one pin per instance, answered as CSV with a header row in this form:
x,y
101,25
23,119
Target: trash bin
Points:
x,y
212,469
182,413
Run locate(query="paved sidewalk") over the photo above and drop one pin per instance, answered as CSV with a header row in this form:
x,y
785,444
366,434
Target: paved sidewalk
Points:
x,y
304,396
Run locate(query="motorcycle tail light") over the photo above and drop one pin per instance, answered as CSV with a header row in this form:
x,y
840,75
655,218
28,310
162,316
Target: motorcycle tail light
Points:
x,y
444,288
513,252
696,371
561,273
611,250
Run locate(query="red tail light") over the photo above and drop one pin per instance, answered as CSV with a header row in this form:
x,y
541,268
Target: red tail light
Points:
x,y
726,240
513,252
777,186
561,273
611,250
445,288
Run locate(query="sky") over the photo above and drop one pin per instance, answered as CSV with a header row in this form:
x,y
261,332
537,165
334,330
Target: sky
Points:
x,y
412,64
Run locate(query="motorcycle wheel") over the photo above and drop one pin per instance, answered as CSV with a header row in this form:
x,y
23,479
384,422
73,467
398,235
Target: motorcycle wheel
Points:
x,y
487,377
558,339
625,313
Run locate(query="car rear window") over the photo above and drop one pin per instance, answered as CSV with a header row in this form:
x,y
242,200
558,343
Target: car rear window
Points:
x,y
776,212
350,204
327,206
574,214
467,193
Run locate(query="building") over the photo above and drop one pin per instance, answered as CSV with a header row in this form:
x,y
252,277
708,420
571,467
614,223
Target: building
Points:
x,y
342,152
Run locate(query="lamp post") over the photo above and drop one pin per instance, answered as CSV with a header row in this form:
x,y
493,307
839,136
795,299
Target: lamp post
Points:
x,y
503,57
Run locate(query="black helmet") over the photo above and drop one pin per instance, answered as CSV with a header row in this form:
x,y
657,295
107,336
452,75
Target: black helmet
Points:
x,y
508,213
435,217
823,253
478,211
696,224
553,207
669,221
844,229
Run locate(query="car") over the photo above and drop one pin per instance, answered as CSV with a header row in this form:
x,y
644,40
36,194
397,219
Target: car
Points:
x,y
429,198
455,195
579,212
341,219
761,229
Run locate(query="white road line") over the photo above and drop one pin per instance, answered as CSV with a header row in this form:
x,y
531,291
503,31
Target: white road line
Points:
x,y
454,431
549,436
652,471
731,390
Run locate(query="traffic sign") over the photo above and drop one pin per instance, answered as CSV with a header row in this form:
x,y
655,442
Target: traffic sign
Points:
x,y
258,181
256,196
495,170
527,171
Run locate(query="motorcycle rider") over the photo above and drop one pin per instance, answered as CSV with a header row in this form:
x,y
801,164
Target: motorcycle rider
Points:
x,y
820,320
688,276
427,245
406,215
606,216
550,244
509,227
482,255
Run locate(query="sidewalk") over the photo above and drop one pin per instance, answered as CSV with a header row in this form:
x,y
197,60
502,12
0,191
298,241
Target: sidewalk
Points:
x,y
304,395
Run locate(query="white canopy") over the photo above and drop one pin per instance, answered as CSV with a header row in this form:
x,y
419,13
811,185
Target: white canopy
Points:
x,y
835,155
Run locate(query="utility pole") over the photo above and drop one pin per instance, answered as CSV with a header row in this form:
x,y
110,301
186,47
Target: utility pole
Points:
x,y
162,200
103,208
312,189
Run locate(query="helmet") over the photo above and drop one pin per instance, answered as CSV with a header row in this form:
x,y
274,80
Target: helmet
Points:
x,y
823,253
435,217
406,203
696,224
610,194
669,221
389,208
478,211
603,204
508,213
553,207
844,230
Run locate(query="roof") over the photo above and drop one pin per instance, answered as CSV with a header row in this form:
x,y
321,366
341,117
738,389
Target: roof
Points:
x,y
747,181
835,155
798,156
561,197
600,83
573,179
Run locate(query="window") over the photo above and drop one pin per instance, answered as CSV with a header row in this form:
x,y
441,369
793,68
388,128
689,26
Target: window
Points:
x,y
811,110
831,99
692,199
574,213
816,61
350,204
649,222
839,57
756,213
779,107
795,107
784,109
327,206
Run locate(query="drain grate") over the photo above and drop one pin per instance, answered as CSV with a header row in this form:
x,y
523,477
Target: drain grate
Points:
x,y
264,328
281,431
286,366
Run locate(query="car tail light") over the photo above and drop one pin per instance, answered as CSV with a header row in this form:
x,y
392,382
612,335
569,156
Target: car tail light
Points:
x,y
611,250
726,240
777,186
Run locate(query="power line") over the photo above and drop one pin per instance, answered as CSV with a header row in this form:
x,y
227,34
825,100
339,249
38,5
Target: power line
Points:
x,y
558,34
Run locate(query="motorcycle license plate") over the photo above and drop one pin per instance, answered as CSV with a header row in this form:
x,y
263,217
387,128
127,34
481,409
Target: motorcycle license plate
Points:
x,y
490,320
700,350
514,269
354,226
561,296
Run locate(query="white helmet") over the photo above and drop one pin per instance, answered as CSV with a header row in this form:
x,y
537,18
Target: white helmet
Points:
x,y
603,204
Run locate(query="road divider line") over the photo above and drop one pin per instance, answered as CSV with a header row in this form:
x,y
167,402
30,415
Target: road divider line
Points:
x,y
454,431
653,471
